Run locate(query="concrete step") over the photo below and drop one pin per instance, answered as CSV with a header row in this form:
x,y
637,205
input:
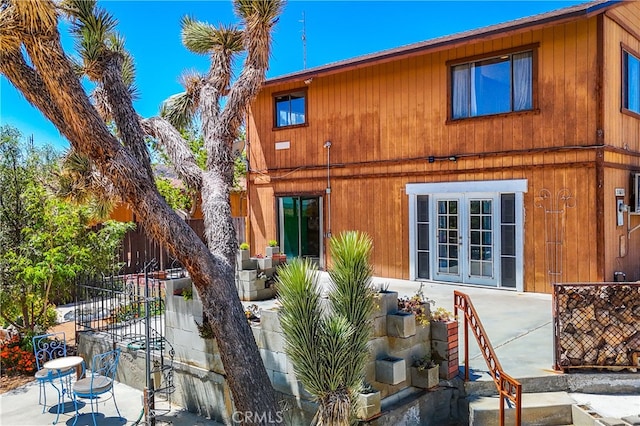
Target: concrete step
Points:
x,y
538,409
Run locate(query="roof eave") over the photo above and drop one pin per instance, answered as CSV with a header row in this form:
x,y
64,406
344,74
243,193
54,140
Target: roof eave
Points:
x,y
446,42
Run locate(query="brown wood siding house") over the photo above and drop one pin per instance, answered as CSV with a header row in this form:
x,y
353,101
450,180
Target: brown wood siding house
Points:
x,y
492,157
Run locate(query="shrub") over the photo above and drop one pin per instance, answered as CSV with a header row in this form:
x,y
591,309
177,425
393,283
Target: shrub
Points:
x,y
244,246
15,359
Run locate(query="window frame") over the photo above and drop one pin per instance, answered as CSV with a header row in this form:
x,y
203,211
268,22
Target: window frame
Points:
x,y
274,96
533,48
624,96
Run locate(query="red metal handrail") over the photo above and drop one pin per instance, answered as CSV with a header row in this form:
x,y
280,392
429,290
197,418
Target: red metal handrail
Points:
x,y
508,387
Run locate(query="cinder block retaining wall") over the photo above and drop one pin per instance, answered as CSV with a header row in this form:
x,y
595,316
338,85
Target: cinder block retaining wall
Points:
x,y
199,374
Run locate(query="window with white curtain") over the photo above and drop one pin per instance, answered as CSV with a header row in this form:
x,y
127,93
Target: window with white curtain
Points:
x,y
290,108
494,85
630,82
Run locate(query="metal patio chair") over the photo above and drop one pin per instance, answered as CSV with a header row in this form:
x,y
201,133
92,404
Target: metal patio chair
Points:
x,y
45,348
99,381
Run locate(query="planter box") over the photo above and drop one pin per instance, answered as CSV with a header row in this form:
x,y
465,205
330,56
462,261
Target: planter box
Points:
x,y
270,251
243,255
387,301
444,342
401,324
368,405
391,371
425,379
244,261
278,259
264,262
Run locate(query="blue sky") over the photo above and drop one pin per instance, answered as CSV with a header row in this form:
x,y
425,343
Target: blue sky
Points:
x,y
335,30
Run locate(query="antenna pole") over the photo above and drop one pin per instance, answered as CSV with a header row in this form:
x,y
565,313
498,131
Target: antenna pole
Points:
x,y
304,42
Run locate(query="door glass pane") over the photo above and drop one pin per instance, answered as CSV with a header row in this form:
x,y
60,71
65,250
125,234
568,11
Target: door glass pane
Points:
x,y
475,237
487,269
475,268
487,253
475,222
310,227
453,222
442,221
448,237
453,267
423,237
423,208
481,238
423,265
508,272
486,238
291,233
508,208
475,253
486,222
442,207
508,240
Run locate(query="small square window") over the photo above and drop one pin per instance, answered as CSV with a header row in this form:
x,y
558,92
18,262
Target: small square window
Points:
x,y
631,82
290,109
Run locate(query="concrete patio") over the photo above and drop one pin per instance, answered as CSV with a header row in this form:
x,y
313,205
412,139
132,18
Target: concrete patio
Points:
x,y
19,407
519,327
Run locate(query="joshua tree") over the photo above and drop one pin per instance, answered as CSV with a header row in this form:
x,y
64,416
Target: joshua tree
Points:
x,y
328,346
111,134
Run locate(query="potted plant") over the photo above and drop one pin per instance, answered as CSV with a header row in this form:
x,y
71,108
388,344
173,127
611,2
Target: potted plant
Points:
x,y
424,373
272,249
368,404
252,312
243,253
419,305
185,292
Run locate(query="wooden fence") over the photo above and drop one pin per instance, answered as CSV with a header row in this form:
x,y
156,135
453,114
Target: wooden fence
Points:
x,y
138,248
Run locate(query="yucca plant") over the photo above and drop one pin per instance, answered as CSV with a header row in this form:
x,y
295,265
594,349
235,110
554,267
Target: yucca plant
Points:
x,y
329,350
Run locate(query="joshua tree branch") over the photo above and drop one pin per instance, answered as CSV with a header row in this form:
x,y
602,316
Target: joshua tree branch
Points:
x,y
122,111
30,84
175,147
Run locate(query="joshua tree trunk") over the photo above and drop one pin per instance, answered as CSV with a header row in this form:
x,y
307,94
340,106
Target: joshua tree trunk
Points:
x,y
52,86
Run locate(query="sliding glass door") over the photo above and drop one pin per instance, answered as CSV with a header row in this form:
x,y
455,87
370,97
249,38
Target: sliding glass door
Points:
x,y
300,225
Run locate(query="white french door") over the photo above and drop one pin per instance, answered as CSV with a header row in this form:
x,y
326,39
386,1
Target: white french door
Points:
x,y
464,239
467,232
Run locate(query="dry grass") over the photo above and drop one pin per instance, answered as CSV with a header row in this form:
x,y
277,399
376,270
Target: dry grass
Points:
x,y
8,383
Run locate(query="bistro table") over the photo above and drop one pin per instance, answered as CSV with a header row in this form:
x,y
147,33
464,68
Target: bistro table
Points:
x,y
60,364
